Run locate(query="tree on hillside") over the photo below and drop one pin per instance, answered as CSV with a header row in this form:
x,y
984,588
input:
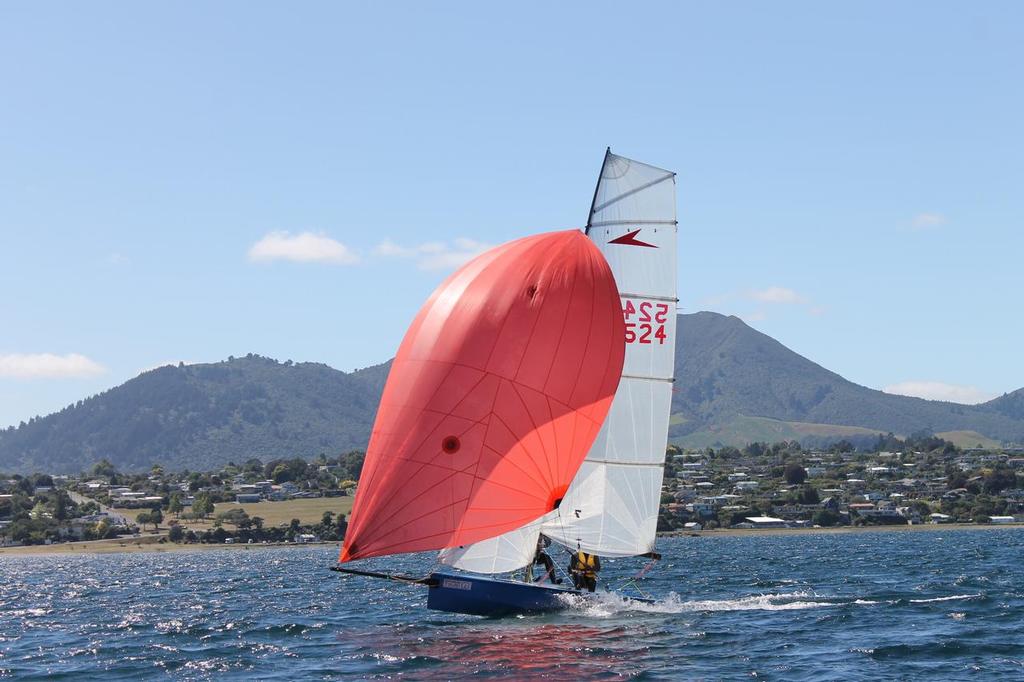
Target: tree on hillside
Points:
x,y
999,479
202,506
281,474
175,506
342,526
143,518
62,506
103,468
156,517
351,465
956,480
236,517
755,449
809,495
794,474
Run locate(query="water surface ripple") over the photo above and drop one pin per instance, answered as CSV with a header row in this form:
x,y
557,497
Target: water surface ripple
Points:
x,y
885,605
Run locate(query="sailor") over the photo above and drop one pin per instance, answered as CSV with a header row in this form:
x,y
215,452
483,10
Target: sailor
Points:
x,y
584,568
544,559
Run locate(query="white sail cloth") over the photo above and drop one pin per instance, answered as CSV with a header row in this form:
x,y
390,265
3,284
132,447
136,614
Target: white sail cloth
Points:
x,y
611,507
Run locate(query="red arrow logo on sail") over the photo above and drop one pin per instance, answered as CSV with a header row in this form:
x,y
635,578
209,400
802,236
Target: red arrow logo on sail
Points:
x,y
629,239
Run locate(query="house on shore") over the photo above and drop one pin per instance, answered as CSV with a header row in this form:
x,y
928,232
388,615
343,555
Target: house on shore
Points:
x,y
766,522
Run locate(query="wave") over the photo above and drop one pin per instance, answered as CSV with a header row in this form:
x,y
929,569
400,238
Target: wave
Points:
x,y
955,597
606,604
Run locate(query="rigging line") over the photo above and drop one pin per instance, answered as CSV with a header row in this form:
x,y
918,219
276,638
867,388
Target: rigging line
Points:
x,y
633,191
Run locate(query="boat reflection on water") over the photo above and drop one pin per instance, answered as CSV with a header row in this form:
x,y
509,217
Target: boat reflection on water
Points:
x,y
516,650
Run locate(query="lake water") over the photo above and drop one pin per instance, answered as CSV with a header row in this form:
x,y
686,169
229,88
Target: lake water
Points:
x,y
944,604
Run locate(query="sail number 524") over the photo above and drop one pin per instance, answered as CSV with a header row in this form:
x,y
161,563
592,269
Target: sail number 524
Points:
x,y
649,325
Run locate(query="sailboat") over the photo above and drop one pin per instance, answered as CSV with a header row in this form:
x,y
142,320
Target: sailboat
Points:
x,y
530,399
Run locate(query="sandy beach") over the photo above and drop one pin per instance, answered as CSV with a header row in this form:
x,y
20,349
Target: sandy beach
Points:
x,y
148,544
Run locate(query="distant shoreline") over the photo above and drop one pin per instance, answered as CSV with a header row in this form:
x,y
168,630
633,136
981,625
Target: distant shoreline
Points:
x,y
151,544
142,545
837,530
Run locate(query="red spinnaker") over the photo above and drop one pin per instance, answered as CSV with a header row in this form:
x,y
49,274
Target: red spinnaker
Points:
x,y
494,398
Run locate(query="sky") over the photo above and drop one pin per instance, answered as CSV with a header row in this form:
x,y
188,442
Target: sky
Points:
x,y
182,182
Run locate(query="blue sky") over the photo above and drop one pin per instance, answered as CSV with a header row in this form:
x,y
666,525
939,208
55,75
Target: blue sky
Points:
x,y
192,181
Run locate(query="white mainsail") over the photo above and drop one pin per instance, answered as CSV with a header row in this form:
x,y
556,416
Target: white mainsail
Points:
x,y
611,508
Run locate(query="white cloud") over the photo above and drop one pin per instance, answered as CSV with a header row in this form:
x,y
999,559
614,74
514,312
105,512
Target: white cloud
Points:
x,y
434,255
937,390
389,248
777,295
928,220
756,316
48,366
305,247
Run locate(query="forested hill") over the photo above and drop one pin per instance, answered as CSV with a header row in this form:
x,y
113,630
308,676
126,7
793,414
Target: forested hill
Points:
x,y
1010,404
727,369
200,416
729,377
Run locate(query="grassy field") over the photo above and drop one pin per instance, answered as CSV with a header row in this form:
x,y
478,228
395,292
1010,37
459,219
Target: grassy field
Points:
x,y
272,513
743,429
968,439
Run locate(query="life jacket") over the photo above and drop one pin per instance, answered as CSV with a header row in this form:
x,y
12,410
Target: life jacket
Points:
x,y
585,564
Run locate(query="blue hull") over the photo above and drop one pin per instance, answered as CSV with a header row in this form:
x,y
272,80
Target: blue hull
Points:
x,y
479,596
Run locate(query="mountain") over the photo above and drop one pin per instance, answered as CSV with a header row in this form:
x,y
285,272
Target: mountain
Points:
x,y
728,371
734,385
200,416
1009,404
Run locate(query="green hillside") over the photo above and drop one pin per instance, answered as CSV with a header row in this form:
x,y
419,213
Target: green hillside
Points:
x,y
1009,404
741,429
196,416
726,369
734,385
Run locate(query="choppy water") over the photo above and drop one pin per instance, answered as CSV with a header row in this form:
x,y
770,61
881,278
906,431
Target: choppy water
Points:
x,y
946,605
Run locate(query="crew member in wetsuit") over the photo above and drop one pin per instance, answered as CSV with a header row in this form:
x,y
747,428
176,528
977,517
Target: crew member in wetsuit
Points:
x,y
584,568
542,558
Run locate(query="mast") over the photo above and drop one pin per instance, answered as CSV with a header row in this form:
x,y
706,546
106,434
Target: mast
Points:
x,y
597,187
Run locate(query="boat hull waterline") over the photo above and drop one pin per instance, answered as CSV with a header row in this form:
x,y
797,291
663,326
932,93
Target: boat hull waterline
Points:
x,y
492,597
